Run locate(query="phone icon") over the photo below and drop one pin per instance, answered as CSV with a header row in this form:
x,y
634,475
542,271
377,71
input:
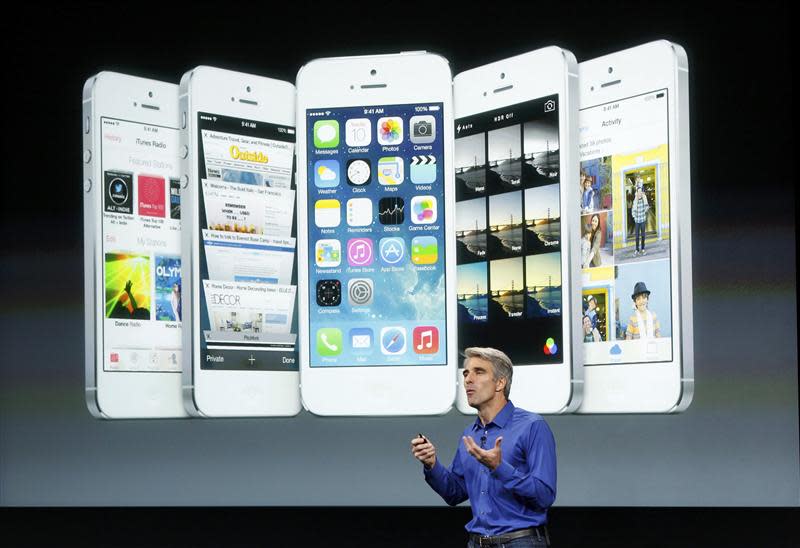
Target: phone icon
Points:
x,y
424,250
425,339
326,173
326,134
329,341
393,340
358,132
390,170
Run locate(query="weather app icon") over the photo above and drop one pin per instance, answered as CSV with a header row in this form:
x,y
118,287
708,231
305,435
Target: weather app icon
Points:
x,y
392,250
326,173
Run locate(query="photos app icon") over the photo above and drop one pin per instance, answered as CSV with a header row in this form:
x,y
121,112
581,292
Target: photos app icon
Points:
x,y
390,130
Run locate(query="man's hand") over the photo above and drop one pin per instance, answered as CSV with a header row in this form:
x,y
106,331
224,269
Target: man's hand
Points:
x,y
424,451
491,458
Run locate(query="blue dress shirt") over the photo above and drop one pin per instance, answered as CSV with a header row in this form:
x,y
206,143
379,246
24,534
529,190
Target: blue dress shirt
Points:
x,y
515,495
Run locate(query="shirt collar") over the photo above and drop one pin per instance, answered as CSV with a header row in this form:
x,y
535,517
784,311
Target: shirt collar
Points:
x,y
500,420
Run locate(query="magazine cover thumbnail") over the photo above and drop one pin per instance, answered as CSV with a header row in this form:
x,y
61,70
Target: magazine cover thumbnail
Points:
x,y
128,286
168,289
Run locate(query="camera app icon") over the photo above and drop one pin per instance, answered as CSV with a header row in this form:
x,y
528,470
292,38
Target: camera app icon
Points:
x,y
423,129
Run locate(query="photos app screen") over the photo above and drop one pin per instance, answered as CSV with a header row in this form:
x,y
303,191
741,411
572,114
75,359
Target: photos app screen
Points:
x,y
376,232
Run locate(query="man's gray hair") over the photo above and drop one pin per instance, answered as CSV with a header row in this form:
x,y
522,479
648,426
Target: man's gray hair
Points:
x,y
503,368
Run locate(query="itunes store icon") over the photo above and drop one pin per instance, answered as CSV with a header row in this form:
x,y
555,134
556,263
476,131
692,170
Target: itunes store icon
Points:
x,y
359,252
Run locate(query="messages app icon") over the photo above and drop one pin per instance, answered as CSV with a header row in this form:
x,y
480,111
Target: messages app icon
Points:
x,y
326,134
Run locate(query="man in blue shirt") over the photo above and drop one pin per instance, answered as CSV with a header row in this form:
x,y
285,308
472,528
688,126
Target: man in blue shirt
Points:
x,y
505,465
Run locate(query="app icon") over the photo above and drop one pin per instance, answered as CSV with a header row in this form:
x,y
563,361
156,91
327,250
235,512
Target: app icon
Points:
x,y
424,250
390,170
328,253
329,341
360,291
359,172
359,252
393,340
327,213
423,210
361,338
550,347
359,212
390,211
152,200
326,134
423,169
390,130
423,129
392,250
329,292
425,339
358,132
326,173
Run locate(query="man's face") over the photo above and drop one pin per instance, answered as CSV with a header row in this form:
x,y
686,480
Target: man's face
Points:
x,y
479,382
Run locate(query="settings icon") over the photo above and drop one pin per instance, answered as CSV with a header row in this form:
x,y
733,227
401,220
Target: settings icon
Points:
x,y
359,291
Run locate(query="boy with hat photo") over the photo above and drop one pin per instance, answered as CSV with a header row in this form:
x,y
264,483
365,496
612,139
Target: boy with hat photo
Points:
x,y
643,323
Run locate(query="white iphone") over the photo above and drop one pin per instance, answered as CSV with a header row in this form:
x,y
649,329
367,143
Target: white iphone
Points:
x,y
375,214
237,142
132,247
635,209
518,279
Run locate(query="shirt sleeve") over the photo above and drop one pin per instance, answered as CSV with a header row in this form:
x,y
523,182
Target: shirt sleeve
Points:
x,y
538,484
448,482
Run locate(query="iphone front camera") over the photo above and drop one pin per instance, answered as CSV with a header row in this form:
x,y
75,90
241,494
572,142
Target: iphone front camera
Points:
x,y
502,75
610,70
248,89
591,88
373,72
149,93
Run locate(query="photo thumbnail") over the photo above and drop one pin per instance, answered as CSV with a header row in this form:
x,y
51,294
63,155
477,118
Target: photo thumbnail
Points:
x,y
543,285
505,225
642,300
507,289
641,205
128,286
595,314
597,239
168,289
470,163
471,231
542,220
595,184
473,298
505,159
542,160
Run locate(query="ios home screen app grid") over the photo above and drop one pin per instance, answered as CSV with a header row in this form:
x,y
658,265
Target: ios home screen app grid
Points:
x,y
376,235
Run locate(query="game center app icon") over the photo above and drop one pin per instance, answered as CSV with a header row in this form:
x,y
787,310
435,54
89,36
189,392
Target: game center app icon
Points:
x,y
392,250
425,339
326,173
329,341
393,340
424,250
359,252
390,130
423,210
328,253
329,292
326,134
358,132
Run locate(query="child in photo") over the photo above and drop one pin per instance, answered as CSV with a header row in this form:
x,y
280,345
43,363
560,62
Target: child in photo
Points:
x,y
586,247
643,323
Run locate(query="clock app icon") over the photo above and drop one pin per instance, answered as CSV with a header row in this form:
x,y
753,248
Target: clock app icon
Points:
x,y
359,172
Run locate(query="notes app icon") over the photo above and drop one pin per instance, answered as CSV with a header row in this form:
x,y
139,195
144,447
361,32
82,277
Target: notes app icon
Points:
x,y
426,339
327,213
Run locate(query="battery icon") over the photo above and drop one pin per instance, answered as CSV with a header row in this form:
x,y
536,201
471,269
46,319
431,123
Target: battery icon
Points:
x,y
433,107
290,131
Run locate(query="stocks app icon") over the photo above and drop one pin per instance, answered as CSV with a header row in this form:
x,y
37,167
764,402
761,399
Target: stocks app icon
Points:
x,y
390,211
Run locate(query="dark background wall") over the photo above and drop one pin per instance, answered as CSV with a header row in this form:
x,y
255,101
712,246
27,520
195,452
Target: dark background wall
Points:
x,y
737,445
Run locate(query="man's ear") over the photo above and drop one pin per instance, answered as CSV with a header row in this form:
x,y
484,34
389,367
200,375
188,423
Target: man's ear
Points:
x,y
501,384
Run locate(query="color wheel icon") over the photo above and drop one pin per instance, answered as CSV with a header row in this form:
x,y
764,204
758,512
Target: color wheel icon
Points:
x,y
550,347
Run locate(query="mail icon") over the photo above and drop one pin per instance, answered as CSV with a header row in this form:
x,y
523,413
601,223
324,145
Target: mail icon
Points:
x,y
361,338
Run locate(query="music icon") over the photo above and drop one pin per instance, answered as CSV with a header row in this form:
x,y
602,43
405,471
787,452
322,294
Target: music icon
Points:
x,y
426,339
359,252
